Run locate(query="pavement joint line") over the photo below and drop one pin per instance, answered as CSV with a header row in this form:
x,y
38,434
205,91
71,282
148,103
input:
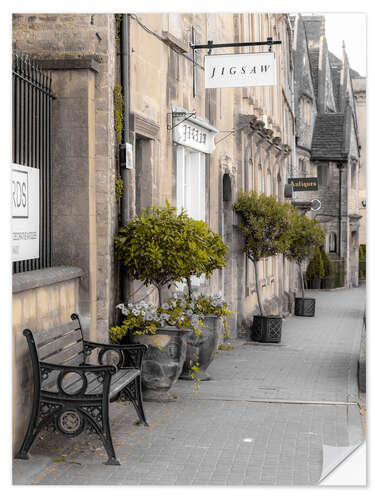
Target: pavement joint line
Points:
x,y
280,401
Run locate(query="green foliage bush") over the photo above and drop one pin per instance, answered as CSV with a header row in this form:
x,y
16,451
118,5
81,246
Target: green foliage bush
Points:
x,y
160,246
362,251
326,263
315,269
304,235
264,226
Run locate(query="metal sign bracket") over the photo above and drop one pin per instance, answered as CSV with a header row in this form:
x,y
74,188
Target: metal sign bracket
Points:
x,y
210,45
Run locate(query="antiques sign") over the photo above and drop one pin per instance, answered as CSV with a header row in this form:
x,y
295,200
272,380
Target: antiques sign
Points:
x,y
240,70
304,183
25,213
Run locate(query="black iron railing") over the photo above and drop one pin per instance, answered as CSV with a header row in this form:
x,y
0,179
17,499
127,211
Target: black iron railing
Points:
x,y
32,112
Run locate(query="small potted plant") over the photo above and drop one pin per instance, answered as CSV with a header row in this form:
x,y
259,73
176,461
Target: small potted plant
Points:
x,y
264,225
304,234
202,344
164,329
315,269
326,281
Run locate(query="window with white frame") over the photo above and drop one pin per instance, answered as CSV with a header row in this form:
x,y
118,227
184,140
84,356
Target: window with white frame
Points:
x,y
191,188
191,182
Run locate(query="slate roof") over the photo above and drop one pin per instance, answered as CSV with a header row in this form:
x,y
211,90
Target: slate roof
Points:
x,y
314,62
328,142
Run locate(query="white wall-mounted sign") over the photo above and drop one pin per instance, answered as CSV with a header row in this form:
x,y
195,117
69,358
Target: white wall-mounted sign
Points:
x,y
129,156
240,70
25,213
192,135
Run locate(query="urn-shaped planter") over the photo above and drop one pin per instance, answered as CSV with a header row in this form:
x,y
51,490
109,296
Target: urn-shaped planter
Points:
x,y
201,349
266,329
163,362
304,307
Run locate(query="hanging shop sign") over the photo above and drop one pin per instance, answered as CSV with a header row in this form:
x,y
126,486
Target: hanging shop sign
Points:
x,y
240,70
25,213
194,133
304,183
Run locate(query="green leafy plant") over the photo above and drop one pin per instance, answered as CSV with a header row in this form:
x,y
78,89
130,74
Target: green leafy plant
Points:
x,y
315,269
118,102
264,226
160,247
207,252
326,263
142,318
203,305
119,187
304,235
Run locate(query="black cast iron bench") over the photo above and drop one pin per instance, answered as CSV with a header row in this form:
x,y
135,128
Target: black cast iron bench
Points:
x,y
71,392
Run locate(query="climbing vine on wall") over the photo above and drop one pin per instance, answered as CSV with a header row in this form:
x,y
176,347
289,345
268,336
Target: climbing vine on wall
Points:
x,y
118,102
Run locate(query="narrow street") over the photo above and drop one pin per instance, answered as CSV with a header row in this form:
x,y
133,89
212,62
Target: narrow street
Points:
x,y
262,420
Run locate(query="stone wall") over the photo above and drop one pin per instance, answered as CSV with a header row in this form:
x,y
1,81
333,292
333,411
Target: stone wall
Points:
x,y
84,169
41,300
359,88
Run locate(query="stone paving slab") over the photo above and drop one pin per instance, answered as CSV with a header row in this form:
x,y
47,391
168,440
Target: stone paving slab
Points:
x,y
218,436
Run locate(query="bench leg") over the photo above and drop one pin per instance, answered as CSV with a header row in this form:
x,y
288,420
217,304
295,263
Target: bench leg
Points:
x,y
31,433
134,394
107,441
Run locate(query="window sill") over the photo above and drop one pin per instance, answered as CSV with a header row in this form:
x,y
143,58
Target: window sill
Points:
x,y
44,277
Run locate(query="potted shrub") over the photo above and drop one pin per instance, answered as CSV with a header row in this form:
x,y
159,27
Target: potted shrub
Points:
x,y
264,225
164,329
326,281
161,247
304,234
203,343
315,269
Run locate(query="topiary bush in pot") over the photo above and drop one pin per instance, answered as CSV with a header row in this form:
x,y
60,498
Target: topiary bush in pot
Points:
x,y
264,226
304,235
315,269
160,247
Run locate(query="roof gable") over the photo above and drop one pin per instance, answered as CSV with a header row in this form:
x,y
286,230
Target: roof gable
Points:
x,y
328,141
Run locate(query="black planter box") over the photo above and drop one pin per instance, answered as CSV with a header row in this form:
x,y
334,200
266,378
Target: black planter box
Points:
x,y
304,307
326,283
314,283
266,329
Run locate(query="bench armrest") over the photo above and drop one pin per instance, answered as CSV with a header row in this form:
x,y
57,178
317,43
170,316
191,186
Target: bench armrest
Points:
x,y
111,369
129,355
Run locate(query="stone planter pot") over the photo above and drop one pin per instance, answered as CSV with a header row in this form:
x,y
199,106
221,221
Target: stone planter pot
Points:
x,y
304,307
163,362
202,349
266,329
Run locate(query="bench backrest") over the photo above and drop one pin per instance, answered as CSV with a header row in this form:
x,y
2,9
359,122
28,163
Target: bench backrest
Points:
x,y
62,344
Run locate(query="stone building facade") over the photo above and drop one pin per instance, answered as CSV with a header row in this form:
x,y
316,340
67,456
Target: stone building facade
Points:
x,y
327,139
198,151
359,89
256,155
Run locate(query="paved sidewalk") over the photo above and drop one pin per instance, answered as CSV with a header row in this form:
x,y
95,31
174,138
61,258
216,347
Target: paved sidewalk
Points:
x,y
262,419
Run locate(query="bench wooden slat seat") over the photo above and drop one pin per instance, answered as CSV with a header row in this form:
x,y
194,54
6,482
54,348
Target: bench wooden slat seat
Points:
x,y
71,392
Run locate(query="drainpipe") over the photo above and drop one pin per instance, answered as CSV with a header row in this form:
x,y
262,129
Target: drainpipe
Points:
x,y
125,173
